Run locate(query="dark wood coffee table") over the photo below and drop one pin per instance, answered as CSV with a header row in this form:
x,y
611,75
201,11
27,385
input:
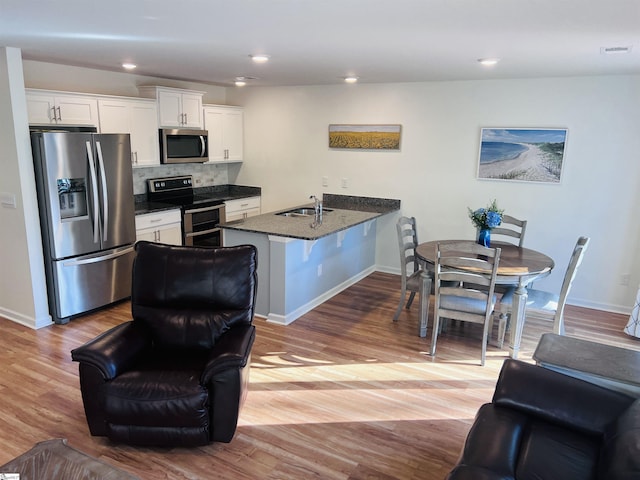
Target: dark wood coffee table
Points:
x,y
611,367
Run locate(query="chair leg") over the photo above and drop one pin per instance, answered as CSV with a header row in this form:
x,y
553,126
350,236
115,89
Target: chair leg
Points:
x,y
434,335
410,301
403,294
502,328
485,337
558,325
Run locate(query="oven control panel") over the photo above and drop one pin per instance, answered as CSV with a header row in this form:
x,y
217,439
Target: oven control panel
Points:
x,y
170,183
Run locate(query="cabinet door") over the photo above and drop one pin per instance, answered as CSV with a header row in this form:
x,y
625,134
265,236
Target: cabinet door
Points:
x,y
192,110
225,127
171,235
148,235
170,108
213,123
139,119
77,110
233,134
144,133
114,116
40,108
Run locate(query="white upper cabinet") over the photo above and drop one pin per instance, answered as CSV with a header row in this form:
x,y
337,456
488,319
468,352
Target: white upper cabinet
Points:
x,y
225,127
176,108
57,108
137,117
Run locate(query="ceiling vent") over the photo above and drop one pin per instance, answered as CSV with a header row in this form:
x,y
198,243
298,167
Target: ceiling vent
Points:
x,y
614,50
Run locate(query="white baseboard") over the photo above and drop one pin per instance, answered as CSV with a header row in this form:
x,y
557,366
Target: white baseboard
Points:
x,y
30,322
307,307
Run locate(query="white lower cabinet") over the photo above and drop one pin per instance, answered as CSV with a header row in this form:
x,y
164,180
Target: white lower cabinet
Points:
x,y
160,227
242,208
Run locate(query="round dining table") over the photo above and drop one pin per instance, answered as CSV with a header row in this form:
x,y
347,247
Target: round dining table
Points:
x,y
518,266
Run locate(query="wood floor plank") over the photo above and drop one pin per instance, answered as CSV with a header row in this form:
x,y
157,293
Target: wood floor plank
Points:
x,y
343,393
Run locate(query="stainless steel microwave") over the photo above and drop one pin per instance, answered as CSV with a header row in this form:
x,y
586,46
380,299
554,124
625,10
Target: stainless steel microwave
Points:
x,y
183,145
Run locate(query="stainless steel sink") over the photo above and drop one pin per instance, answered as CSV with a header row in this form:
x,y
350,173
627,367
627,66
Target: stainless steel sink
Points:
x,y
302,212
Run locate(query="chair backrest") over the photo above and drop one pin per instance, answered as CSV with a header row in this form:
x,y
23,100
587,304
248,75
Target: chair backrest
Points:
x,y
471,271
407,241
511,227
570,275
188,296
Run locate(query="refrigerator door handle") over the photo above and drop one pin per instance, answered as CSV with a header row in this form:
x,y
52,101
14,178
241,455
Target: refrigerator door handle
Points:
x,y
105,193
101,258
94,189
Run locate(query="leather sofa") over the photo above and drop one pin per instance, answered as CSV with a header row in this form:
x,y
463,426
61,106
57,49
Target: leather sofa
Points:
x,y
177,374
544,425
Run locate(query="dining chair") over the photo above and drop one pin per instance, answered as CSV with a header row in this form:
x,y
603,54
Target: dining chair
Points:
x,y
511,227
409,267
470,272
542,303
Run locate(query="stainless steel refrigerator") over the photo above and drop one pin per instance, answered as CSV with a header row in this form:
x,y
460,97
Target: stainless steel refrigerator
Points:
x,y
85,197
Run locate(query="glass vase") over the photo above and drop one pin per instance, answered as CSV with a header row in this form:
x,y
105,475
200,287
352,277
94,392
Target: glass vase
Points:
x,y
484,237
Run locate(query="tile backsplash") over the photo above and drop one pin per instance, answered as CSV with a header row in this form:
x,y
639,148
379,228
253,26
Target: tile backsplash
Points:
x,y
204,175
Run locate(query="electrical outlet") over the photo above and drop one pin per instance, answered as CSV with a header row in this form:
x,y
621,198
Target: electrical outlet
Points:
x,y
345,183
624,279
325,181
320,270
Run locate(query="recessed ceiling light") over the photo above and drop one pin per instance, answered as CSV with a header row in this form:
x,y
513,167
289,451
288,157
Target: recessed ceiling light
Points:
x,y
351,79
488,62
260,58
242,80
129,66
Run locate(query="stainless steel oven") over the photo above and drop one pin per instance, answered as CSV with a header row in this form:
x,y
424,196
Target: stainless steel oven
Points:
x,y
201,213
200,225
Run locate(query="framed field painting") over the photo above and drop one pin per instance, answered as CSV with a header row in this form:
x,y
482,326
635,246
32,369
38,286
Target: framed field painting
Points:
x,y
522,154
365,137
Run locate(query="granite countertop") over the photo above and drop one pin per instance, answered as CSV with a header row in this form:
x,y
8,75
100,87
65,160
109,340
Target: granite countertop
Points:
x,y
346,212
216,192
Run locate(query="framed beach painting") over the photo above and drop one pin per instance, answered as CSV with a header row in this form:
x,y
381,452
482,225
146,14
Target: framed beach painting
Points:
x,y
365,137
522,154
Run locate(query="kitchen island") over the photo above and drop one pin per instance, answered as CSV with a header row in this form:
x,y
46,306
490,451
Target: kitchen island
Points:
x,y
303,262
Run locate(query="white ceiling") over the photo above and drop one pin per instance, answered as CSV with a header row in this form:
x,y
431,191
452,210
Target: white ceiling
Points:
x,y
318,42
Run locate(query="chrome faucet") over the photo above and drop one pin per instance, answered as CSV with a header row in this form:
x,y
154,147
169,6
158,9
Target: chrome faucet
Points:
x,y
317,207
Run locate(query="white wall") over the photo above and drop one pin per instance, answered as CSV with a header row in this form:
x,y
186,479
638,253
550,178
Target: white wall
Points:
x,y
434,174
22,281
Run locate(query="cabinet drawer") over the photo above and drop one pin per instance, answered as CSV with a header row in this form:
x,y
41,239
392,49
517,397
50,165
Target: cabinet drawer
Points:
x,y
157,219
241,204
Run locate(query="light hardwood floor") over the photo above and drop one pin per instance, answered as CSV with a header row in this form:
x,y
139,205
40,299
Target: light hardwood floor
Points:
x,y
342,393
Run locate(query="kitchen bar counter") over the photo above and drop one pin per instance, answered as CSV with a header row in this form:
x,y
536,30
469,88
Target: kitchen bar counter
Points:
x,y
346,212
300,266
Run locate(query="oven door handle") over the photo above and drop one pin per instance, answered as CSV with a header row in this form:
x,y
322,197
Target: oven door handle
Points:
x,y
203,209
201,232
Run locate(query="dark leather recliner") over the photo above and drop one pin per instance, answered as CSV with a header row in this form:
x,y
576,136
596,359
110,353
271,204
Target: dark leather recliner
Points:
x,y
543,425
177,374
